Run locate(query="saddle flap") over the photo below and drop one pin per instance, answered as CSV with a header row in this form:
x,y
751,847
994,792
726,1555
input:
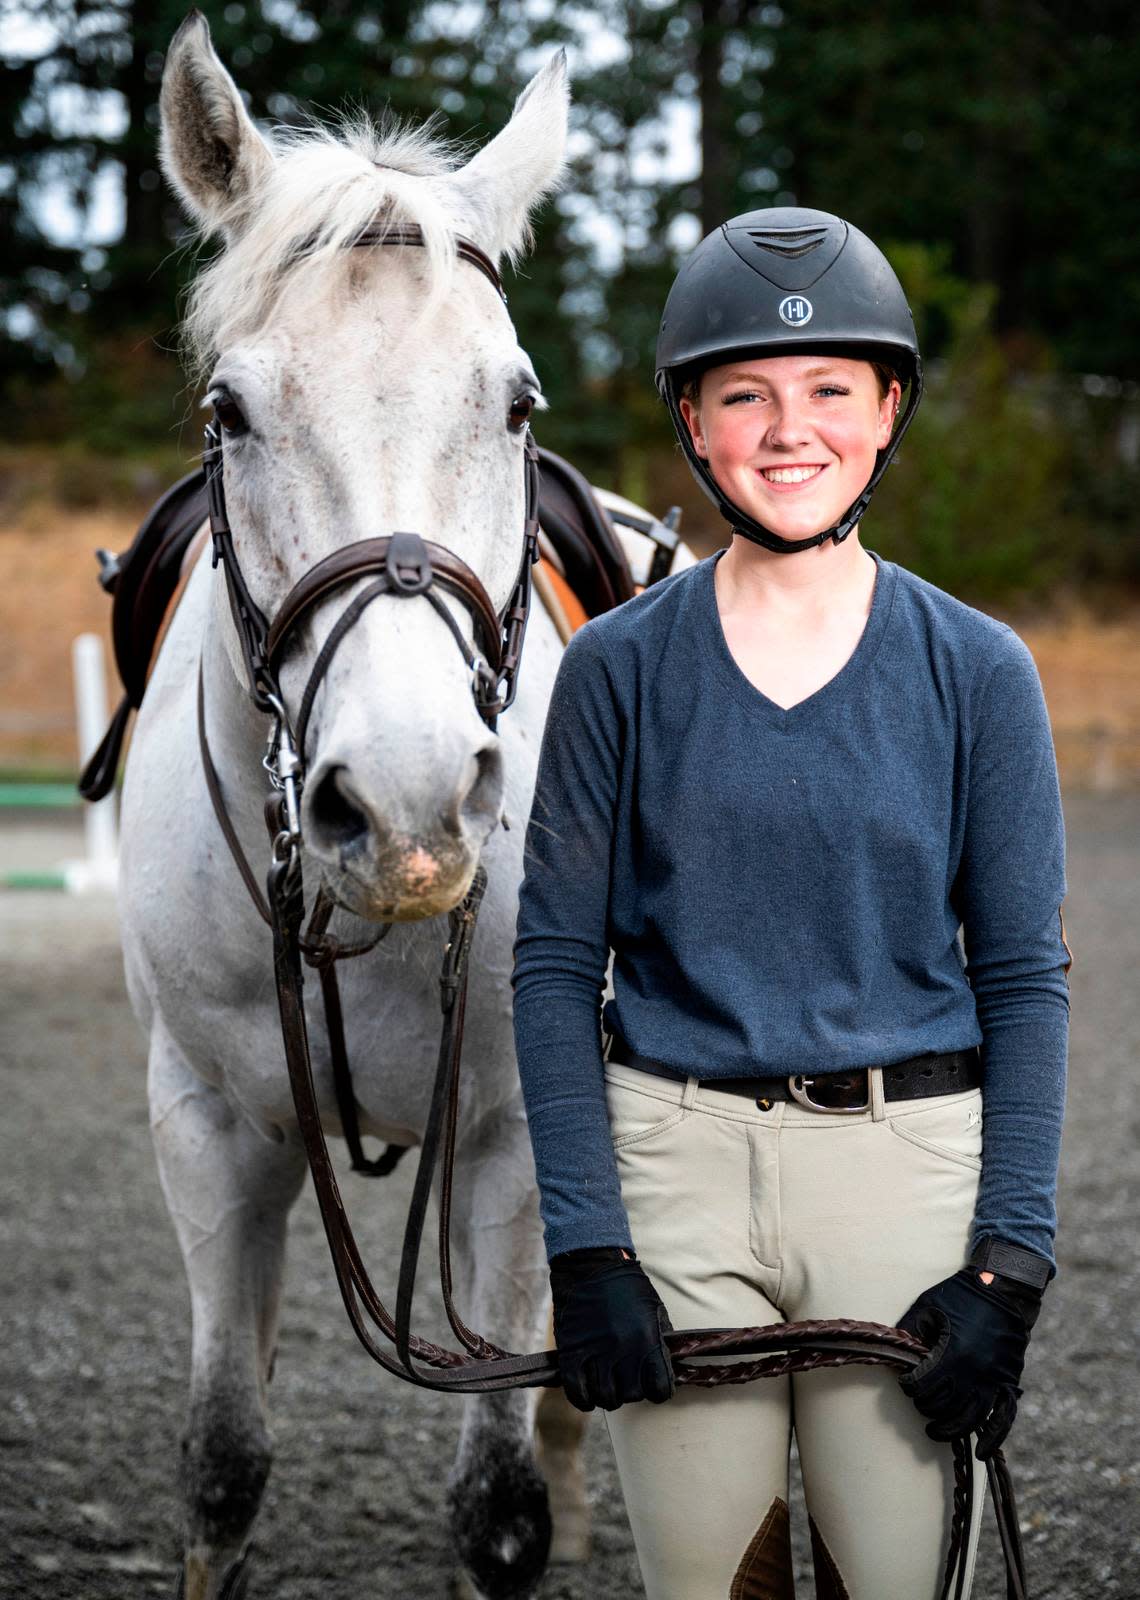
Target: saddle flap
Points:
x,y
148,575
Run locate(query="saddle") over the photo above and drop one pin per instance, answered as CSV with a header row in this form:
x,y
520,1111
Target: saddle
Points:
x,y
595,553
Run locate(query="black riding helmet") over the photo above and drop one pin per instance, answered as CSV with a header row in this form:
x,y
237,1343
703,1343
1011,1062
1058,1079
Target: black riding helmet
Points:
x,y
785,281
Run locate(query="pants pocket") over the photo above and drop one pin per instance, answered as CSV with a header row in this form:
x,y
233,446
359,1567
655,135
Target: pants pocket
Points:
x,y
635,1115
950,1129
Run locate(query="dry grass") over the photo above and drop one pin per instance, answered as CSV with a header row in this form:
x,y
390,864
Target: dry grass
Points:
x,y
1090,669
49,595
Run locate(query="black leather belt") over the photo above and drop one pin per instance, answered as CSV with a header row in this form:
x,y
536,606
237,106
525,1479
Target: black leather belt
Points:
x,y
952,1072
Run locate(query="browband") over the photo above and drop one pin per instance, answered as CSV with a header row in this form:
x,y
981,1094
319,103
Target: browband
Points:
x,y
377,233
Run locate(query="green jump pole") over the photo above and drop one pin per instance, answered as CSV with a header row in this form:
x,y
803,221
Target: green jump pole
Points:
x,y
29,796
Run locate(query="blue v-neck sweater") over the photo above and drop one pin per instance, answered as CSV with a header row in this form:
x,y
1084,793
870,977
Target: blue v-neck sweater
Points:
x,y
782,889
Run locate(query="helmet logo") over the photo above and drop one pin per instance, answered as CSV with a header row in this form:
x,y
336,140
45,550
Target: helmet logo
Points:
x,y
795,310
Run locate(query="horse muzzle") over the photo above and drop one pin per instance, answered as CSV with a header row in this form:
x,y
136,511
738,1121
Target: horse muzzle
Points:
x,y
401,862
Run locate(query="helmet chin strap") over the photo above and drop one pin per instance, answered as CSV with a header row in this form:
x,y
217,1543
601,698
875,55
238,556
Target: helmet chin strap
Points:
x,y
740,522
747,526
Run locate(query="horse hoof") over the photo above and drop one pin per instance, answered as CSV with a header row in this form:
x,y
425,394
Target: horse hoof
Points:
x,y
501,1523
194,1581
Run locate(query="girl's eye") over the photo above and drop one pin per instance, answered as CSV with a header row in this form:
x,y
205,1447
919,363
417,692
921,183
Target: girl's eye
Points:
x,y
230,415
522,407
824,389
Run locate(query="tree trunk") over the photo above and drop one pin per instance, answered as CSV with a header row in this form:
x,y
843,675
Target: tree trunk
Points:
x,y
146,199
716,180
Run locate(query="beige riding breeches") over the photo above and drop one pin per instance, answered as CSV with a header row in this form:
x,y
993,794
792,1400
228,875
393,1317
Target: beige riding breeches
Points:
x,y
743,1216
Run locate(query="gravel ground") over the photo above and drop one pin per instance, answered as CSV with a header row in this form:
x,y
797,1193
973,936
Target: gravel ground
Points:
x,y
94,1357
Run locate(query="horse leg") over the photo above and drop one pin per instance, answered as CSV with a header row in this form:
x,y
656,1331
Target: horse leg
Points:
x,y
497,1499
228,1189
561,1430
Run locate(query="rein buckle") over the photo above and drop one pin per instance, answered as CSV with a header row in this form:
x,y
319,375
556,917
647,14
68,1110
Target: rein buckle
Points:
x,y
282,761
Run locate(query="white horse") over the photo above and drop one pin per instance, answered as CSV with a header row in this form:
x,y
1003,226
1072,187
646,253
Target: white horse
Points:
x,y
361,392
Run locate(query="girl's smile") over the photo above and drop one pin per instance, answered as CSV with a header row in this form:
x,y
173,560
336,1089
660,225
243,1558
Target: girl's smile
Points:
x,y
792,477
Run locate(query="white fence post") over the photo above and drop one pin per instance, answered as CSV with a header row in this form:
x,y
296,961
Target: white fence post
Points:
x,y
100,868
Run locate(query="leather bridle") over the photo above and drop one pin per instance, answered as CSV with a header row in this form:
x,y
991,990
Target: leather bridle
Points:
x,y
405,565
400,564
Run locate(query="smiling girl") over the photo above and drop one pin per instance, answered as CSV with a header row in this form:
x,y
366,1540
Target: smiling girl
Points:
x,y
810,804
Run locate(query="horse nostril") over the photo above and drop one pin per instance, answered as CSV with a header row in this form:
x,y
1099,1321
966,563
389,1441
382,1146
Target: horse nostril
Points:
x,y
481,802
334,812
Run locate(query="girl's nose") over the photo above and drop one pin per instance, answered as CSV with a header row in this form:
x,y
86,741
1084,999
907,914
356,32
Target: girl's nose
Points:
x,y
787,428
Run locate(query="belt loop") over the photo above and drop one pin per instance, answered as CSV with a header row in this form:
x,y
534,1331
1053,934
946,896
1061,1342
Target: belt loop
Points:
x,y
877,1097
689,1098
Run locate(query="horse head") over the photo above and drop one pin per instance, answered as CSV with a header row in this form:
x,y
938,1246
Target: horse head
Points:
x,y
362,392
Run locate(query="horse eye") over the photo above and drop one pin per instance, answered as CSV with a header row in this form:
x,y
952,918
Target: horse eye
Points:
x,y
230,415
522,406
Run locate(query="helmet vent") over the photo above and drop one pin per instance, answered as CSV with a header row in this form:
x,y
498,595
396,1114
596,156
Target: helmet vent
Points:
x,y
789,243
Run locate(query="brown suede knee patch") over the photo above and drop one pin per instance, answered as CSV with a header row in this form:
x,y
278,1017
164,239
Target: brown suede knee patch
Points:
x,y
828,1583
765,1570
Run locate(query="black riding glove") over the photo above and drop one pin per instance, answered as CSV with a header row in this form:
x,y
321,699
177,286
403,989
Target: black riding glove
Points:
x,y
977,1334
609,1326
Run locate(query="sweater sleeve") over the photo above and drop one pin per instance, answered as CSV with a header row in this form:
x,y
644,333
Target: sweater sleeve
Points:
x,y
1008,893
561,953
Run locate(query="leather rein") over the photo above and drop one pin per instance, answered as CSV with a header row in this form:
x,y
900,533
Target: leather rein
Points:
x,y
408,566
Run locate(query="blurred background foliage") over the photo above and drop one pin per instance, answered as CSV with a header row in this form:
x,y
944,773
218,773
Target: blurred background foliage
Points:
x,y
989,145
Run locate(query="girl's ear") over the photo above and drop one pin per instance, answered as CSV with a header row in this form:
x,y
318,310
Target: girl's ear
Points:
x,y
692,415
888,412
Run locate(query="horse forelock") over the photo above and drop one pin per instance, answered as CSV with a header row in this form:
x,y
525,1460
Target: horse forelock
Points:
x,y
326,185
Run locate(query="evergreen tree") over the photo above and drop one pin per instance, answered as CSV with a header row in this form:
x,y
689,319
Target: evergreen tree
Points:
x,y
999,136
1002,129
105,316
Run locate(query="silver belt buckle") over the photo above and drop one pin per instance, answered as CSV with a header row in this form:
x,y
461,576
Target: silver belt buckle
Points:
x,y
797,1088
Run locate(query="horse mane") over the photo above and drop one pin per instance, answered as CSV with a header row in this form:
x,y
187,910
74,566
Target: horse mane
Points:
x,y
326,184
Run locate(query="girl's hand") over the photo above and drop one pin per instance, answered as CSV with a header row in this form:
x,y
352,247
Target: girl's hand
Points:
x,y
977,1333
609,1326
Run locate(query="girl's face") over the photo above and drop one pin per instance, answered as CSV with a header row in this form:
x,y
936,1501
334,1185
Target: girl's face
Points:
x,y
792,439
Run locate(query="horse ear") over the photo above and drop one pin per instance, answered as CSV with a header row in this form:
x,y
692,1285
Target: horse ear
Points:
x,y
211,152
522,164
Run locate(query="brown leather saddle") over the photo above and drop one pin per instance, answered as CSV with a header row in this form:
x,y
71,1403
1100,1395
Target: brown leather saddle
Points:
x,y
145,578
